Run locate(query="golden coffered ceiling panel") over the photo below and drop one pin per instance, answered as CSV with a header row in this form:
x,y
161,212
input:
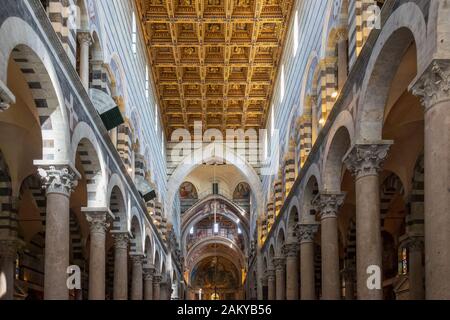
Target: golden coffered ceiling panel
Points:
x,y
214,61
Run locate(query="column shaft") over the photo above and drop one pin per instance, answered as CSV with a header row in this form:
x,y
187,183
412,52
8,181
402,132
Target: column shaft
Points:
x,y
85,42
97,253
148,288
368,235
416,271
306,236
137,279
433,89
349,286
271,290
156,288
120,266
97,266
292,269
280,278
330,259
57,247
437,203
308,291
8,251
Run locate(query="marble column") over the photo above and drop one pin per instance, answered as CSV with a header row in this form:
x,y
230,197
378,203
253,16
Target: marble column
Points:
x,y
137,277
365,162
163,290
342,36
280,277
148,283
290,250
349,279
260,267
59,182
433,88
416,270
271,290
85,42
121,241
98,221
307,233
253,291
8,253
156,287
328,205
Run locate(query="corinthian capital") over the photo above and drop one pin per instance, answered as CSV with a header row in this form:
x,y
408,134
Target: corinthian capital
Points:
x,y
270,274
307,232
434,85
98,218
149,273
85,37
279,262
367,158
290,249
342,34
9,247
416,244
157,278
138,260
121,240
328,204
61,179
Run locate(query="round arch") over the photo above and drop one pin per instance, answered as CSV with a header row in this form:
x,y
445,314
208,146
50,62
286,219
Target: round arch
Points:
x,y
310,190
406,25
293,217
21,43
117,204
136,243
338,144
280,240
86,145
196,159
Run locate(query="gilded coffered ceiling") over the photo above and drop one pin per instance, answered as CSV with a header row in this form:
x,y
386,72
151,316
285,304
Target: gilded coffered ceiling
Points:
x,y
214,61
